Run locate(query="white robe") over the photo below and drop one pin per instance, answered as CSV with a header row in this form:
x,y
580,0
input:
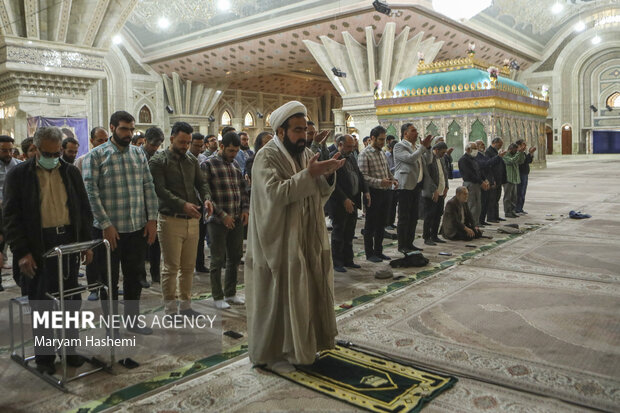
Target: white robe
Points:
x,y
288,273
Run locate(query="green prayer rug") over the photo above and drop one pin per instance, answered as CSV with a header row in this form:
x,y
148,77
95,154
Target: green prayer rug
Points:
x,y
370,382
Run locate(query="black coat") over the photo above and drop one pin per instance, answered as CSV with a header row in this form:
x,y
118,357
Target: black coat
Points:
x,y
498,171
469,169
344,189
22,209
524,168
486,165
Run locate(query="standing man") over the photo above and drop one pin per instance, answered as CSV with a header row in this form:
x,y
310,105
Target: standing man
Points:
x,y
28,148
499,178
211,144
434,194
98,136
245,153
70,148
138,140
7,162
409,165
512,160
180,187
154,137
196,148
45,206
288,265
486,171
389,154
121,192
472,179
226,226
374,167
344,203
524,172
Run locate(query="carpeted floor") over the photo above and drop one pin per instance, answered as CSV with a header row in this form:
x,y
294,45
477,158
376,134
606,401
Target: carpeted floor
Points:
x,y
533,325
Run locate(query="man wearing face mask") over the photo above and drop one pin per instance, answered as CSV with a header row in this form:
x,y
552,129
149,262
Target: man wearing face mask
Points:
x,y
180,187
344,203
45,206
121,192
472,179
514,158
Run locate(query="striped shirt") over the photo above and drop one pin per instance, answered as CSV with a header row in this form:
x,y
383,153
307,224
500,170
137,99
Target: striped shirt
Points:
x,y
120,187
228,189
374,166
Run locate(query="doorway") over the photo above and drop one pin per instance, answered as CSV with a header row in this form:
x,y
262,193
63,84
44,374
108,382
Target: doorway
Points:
x,y
567,140
549,133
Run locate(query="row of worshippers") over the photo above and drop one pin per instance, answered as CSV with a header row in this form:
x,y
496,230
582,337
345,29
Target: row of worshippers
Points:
x,y
130,200
486,172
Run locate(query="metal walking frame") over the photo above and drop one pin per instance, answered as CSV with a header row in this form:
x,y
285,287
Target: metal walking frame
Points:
x,y
59,300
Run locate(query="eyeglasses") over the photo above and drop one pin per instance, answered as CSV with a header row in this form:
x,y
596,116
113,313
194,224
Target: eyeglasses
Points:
x,y
51,154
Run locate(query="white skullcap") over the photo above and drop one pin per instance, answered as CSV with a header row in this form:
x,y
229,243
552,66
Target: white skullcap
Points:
x,y
280,115
436,139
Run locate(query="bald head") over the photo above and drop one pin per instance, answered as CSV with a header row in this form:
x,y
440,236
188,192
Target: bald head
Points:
x,y
480,145
346,145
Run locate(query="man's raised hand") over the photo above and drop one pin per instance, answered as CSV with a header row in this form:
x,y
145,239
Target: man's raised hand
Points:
x,y
328,167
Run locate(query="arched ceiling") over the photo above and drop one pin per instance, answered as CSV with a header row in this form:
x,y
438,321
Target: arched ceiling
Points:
x,y
259,45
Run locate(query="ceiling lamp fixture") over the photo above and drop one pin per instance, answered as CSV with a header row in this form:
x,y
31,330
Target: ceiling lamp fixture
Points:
x,y
459,9
163,23
596,39
117,39
223,5
557,8
580,26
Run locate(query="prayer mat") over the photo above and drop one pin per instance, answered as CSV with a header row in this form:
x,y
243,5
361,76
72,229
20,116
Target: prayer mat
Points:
x,y
370,382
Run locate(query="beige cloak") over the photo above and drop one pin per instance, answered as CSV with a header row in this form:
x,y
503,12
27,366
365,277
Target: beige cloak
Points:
x,y
288,273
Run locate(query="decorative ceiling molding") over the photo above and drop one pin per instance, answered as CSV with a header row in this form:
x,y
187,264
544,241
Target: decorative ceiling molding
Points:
x,y
191,99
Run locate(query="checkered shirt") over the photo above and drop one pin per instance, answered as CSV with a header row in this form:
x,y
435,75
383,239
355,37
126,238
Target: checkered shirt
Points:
x,y
228,188
120,187
374,166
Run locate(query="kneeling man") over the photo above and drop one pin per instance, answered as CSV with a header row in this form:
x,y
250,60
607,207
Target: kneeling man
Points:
x,y
458,222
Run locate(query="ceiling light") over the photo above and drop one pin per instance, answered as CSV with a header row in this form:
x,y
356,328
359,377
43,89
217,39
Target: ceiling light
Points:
x,y
460,10
117,39
223,5
338,73
579,27
557,8
163,23
596,39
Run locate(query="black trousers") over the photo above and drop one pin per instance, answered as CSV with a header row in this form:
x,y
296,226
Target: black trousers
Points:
x,y
200,257
408,210
46,281
153,255
433,212
484,204
376,219
342,235
130,253
393,205
495,195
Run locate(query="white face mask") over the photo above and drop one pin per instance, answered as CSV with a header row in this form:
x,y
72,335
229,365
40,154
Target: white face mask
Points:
x,y
474,153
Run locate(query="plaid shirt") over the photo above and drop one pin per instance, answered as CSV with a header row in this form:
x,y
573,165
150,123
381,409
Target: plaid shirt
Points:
x,y
120,187
374,166
228,188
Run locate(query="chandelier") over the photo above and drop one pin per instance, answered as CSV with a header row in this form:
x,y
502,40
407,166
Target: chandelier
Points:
x,y
460,9
152,13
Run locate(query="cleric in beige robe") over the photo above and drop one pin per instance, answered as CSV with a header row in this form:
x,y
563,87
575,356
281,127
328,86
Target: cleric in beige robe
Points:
x,y
288,267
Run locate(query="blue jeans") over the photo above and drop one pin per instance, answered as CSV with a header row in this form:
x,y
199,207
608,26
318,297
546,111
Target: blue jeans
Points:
x,y
521,190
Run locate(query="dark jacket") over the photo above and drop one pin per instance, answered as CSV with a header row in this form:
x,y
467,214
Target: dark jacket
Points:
x,y
486,165
498,170
22,209
344,189
431,177
447,158
469,169
451,225
524,168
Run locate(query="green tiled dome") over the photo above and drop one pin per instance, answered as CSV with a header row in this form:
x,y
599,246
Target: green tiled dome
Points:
x,y
454,77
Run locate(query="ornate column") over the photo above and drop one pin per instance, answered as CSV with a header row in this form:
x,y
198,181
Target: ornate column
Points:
x,y
340,124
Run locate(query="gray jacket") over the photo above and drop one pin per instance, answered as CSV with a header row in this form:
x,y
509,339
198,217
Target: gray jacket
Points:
x,y
406,163
431,177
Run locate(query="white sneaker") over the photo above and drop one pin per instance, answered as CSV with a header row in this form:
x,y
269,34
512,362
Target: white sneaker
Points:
x,y
221,305
235,299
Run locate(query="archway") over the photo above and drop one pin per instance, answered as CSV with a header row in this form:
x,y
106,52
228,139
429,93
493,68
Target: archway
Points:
x,y
567,140
454,139
549,133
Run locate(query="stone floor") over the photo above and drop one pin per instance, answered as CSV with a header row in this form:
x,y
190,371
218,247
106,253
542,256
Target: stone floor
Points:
x,y
541,312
